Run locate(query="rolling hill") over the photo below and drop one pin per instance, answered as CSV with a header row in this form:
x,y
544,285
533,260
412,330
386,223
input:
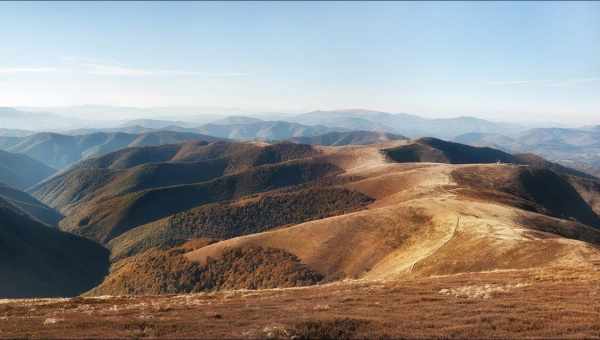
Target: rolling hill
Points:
x,y
106,196
37,261
373,214
138,168
357,229
202,216
438,151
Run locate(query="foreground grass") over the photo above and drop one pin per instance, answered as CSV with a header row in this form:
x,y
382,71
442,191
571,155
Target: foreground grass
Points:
x,y
507,304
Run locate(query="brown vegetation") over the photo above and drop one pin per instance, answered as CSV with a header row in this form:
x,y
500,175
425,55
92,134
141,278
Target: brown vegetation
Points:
x,y
107,219
249,216
163,272
134,169
557,303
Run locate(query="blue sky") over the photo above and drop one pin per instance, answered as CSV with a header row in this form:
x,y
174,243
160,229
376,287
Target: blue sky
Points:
x,y
499,60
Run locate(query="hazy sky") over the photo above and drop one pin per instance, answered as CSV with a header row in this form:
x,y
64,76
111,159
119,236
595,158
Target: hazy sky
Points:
x,y
504,61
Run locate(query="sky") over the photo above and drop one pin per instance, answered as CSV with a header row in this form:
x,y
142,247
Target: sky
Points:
x,y
525,61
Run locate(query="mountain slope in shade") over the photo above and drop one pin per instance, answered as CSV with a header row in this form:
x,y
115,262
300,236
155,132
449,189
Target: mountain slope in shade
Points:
x,y
439,151
37,261
349,138
30,205
60,151
20,171
6,142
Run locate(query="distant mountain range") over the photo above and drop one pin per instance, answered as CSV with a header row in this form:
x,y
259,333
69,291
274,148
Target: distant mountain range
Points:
x,y
353,119
404,124
234,127
14,119
319,122
15,133
266,130
349,138
577,148
60,151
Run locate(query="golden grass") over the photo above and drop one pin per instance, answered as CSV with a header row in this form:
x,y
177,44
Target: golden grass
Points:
x,y
550,303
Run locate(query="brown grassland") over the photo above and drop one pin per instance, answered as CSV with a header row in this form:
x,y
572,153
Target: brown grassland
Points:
x,y
550,303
